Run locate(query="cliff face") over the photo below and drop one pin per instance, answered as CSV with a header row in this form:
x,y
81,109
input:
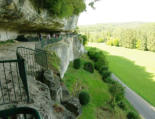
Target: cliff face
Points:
x,y
18,16
48,96
68,49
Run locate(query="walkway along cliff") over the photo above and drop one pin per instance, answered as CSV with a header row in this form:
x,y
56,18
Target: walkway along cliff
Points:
x,y
31,83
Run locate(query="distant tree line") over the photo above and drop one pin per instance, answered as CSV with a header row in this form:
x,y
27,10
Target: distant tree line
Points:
x,y
130,35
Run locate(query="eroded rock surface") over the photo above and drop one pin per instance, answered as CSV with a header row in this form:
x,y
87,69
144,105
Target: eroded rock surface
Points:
x,y
67,50
18,16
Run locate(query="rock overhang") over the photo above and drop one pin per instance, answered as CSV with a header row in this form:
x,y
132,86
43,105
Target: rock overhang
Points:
x,y
22,16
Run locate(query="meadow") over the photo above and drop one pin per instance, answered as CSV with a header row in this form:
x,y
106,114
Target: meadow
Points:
x,y
134,67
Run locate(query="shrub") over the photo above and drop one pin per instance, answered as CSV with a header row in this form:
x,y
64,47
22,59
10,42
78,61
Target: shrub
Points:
x,y
117,92
100,66
122,105
109,80
94,55
132,115
103,68
109,42
100,40
85,39
105,74
97,56
115,42
84,98
89,67
77,63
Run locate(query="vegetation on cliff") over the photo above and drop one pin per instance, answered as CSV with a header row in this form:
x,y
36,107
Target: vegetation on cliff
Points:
x,y
61,8
99,107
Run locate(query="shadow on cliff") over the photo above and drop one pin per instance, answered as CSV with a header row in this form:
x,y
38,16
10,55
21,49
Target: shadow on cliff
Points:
x,y
135,76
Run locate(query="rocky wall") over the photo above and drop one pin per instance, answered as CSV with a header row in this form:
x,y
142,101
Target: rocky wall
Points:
x,y
21,16
67,50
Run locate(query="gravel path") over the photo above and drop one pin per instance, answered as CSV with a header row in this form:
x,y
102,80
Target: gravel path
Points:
x,y
146,110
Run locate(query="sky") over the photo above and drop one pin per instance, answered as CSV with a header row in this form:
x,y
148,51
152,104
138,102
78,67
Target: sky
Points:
x,y
109,11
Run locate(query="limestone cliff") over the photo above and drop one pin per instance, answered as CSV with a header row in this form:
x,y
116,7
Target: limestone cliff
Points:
x,y
48,96
68,49
17,16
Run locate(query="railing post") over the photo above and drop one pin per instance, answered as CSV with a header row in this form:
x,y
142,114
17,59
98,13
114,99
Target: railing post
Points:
x,y
22,73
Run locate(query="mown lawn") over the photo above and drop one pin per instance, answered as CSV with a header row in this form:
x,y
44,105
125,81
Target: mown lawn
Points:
x,y
77,80
134,67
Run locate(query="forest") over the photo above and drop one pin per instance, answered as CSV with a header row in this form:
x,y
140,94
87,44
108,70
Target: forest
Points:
x,y
134,35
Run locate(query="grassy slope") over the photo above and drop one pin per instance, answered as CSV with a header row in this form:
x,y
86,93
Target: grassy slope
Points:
x,y
98,91
134,67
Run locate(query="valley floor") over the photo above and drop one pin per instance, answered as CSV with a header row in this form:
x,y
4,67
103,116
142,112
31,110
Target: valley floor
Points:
x,y
135,68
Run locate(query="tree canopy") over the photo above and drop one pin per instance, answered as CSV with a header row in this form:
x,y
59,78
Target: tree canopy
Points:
x,y
63,8
129,35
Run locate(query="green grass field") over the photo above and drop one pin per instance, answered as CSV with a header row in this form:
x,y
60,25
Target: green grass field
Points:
x,y
77,80
135,68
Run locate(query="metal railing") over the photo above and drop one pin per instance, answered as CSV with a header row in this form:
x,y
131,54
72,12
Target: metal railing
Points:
x,y
35,60
13,87
13,78
45,42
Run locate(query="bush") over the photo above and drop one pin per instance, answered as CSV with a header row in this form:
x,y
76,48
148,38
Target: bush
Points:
x,y
115,42
122,105
96,55
109,80
132,115
109,42
117,92
89,67
100,40
103,68
84,98
105,74
85,39
100,66
77,63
